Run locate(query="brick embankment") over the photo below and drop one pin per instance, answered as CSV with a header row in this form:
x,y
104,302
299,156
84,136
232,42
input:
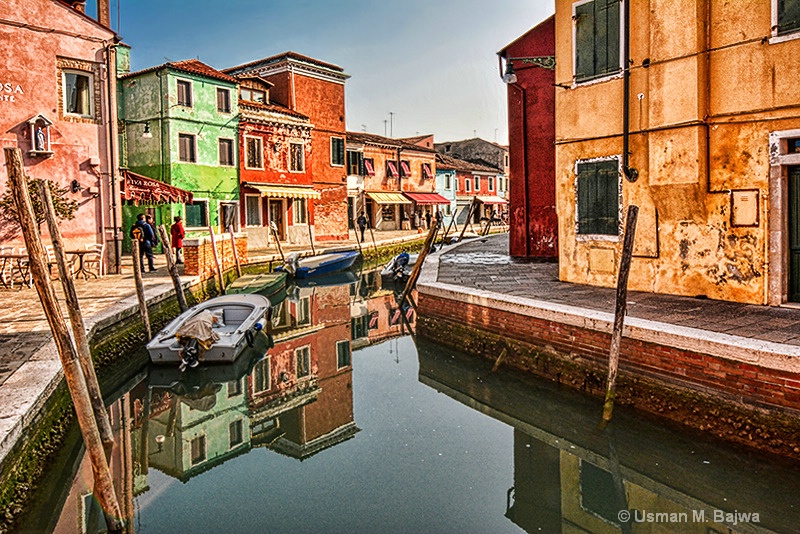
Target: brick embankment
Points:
x,y
728,377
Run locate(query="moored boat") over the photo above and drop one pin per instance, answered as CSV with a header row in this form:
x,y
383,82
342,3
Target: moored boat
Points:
x,y
400,267
217,330
330,262
267,284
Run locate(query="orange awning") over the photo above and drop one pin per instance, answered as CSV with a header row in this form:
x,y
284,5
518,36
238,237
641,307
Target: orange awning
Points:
x,y
143,190
427,198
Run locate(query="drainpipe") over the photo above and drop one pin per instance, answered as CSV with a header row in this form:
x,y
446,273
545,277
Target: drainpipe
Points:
x,y
630,173
113,152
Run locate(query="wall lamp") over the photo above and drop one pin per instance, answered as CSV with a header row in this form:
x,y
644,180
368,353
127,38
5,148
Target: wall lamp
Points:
x,y
146,132
75,186
545,62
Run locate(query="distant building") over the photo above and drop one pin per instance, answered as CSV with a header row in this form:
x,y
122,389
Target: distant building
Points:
x,y
315,90
475,187
477,150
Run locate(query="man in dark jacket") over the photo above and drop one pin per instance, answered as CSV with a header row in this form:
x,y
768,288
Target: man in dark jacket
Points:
x,y
143,231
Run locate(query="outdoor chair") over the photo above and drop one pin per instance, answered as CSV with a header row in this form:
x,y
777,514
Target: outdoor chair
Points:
x,y
94,261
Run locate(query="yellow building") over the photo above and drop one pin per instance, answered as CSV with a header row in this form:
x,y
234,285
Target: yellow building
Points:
x,y
709,110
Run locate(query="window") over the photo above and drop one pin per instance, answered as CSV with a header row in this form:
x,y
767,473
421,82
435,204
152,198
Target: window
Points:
x,y
598,197
467,185
788,16
448,210
254,153
303,311
297,160
505,160
226,152
369,166
198,449
477,183
299,211
337,151
597,38
405,169
448,182
234,388
186,148
391,169
303,358
447,148
261,376
252,210
359,326
235,433
223,100
184,93
355,163
78,97
491,183
426,171
196,213
597,492
253,95
342,354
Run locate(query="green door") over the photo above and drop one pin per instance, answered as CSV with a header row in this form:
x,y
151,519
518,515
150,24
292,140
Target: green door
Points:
x,y
794,234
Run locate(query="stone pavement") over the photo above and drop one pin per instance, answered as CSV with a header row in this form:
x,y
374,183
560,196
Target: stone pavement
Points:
x,y
484,264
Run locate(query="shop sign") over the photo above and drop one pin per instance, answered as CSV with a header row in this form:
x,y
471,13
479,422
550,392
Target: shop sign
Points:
x,y
9,91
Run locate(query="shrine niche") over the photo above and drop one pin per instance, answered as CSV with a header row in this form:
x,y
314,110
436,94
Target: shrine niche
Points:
x,y
40,136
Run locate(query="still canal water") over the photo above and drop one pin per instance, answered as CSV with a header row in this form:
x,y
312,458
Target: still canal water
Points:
x,y
348,425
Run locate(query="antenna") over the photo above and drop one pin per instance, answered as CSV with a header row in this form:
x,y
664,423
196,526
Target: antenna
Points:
x,y
391,123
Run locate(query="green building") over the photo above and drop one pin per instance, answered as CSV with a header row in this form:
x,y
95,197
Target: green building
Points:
x,y
178,125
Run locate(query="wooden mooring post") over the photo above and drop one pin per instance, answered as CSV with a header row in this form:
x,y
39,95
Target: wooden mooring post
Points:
x,y
619,312
235,252
103,483
76,319
137,279
217,260
273,228
172,267
412,278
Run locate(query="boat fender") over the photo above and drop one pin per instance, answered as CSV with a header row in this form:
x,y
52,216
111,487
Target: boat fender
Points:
x,y
248,336
258,326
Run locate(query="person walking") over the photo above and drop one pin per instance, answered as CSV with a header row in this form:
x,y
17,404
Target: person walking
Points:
x,y
427,220
177,234
143,232
362,224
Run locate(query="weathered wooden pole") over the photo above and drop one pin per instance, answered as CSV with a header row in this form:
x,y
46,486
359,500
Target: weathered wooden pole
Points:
x,y
235,252
76,319
372,234
137,278
103,483
452,223
172,267
467,222
217,260
310,234
619,312
273,228
412,278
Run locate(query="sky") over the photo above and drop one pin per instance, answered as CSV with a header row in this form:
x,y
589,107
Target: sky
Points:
x,y
416,66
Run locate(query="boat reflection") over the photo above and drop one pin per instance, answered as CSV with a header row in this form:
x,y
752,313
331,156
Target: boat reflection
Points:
x,y
572,476
377,314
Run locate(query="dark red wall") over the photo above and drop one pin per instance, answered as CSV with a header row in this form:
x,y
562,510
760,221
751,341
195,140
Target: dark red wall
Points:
x,y
531,135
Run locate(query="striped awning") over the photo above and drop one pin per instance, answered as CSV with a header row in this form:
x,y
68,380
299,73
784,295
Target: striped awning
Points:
x,y
388,198
284,191
143,190
427,198
491,199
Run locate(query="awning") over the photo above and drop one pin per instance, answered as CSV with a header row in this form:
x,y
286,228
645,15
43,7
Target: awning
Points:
x,y
427,198
426,171
492,199
368,165
143,190
388,198
405,169
284,191
391,169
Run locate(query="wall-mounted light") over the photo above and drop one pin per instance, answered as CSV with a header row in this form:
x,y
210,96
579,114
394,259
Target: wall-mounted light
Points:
x,y
545,62
75,186
146,134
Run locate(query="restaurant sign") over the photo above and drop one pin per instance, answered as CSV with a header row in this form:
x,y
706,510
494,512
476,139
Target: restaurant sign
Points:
x,y
9,91
143,190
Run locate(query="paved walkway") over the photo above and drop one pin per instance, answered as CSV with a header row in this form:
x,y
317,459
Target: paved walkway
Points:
x,y
485,264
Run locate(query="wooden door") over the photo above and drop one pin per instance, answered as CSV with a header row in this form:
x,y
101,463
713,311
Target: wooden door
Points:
x,y
794,234
276,212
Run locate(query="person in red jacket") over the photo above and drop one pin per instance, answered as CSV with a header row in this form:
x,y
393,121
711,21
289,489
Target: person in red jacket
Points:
x,y
177,234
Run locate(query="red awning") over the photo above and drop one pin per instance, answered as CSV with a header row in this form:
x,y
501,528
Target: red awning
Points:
x,y
143,190
369,167
426,171
405,169
427,198
391,169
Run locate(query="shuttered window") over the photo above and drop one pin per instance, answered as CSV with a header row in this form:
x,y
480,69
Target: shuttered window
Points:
x,y
337,151
788,16
186,151
597,39
598,198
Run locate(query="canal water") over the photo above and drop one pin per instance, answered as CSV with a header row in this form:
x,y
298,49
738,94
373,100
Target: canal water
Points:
x,y
348,424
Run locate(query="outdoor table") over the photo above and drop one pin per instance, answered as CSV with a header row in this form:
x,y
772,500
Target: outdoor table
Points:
x,y
19,263
81,268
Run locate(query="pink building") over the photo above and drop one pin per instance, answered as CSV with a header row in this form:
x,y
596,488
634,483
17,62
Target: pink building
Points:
x,y
55,105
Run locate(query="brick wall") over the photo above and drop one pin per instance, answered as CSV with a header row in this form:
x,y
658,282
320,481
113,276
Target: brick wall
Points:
x,y
578,350
198,255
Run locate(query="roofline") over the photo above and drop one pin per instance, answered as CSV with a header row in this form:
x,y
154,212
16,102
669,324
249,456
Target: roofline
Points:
x,y
171,66
117,37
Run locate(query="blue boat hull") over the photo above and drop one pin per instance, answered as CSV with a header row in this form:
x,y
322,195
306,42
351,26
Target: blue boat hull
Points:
x,y
324,264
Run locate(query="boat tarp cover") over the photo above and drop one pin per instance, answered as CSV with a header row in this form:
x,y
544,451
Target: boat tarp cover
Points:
x,y
199,327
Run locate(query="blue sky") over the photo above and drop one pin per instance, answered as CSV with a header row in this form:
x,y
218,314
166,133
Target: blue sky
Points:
x,y
432,63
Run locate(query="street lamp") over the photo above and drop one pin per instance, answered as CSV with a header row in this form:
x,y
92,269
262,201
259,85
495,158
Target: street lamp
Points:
x,y
545,62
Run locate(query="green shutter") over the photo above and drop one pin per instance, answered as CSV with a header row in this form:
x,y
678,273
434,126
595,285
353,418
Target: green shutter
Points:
x,y
612,37
598,198
586,180
584,41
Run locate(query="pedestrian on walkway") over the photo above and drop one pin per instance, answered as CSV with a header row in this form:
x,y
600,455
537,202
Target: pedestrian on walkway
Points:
x,y
149,220
362,224
143,232
177,234
427,220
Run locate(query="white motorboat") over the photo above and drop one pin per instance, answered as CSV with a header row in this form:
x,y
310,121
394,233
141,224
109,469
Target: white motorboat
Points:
x,y
400,267
217,330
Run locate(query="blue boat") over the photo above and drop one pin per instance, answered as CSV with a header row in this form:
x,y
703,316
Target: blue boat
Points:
x,y
331,262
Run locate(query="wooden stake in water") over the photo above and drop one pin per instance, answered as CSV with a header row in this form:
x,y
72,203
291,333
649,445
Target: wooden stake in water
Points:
x,y
137,279
216,260
619,313
235,252
173,269
76,383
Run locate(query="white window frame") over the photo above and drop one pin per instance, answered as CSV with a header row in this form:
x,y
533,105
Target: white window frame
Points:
x,y
476,183
247,210
292,144
467,185
260,155
307,350
612,75
230,101
448,182
780,38
178,81
490,183
194,147
300,211
91,97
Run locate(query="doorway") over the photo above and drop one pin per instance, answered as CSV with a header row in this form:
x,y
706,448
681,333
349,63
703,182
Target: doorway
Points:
x,y
276,216
794,234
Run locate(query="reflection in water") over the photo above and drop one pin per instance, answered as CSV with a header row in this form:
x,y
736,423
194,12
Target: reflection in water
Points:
x,y
270,443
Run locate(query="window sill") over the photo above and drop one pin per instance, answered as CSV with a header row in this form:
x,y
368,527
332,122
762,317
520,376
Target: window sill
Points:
x,y
40,153
600,79
585,238
775,39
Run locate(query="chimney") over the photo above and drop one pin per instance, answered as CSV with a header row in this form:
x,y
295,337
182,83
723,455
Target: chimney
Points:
x,y
104,13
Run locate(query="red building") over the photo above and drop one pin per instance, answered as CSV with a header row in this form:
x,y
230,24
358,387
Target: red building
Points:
x,y
532,134
314,90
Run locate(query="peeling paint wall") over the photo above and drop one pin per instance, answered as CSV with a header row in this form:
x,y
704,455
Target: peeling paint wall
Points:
x,y
708,85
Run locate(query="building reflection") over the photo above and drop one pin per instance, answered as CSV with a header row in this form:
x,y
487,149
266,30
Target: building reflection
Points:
x,y
572,476
376,312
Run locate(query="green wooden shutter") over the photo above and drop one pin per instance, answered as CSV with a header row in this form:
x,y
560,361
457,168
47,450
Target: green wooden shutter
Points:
x,y
608,198
584,41
611,35
794,234
586,180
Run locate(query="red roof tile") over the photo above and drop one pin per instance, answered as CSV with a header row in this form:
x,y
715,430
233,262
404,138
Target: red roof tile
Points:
x,y
192,66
